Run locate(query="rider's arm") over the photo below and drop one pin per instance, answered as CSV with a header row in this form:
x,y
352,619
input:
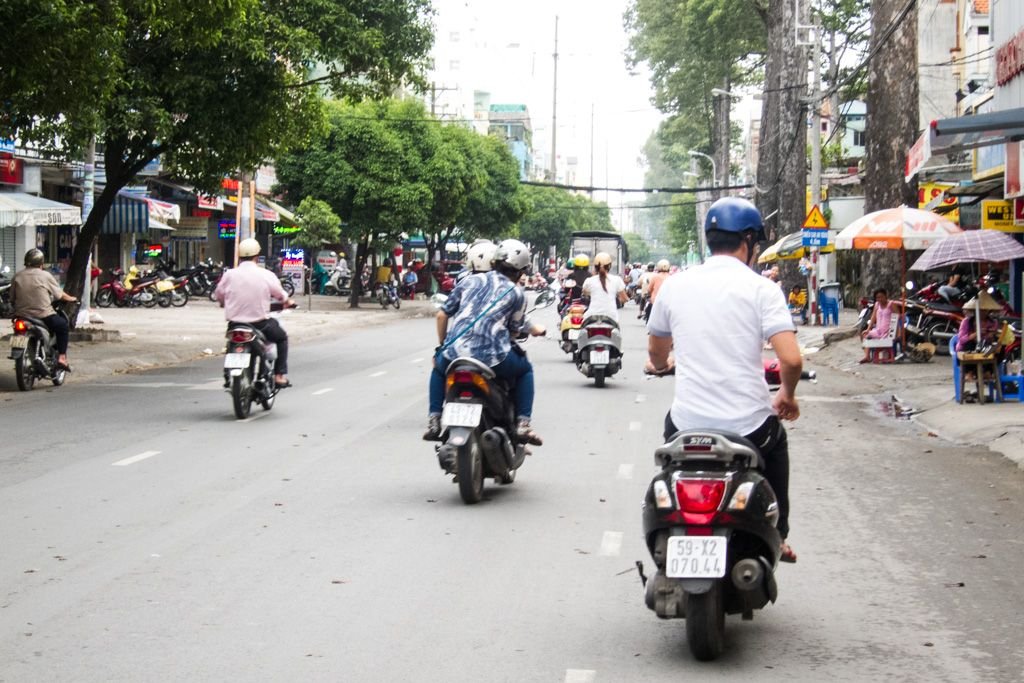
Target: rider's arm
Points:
x,y
659,354
442,327
790,365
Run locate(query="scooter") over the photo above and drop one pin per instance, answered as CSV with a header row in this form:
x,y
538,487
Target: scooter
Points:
x,y
599,353
6,307
134,290
34,351
249,367
387,294
572,322
709,521
339,282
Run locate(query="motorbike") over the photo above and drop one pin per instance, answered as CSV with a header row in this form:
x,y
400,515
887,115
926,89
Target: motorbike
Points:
x,y
572,321
6,307
133,290
709,521
387,294
249,367
34,352
339,282
599,348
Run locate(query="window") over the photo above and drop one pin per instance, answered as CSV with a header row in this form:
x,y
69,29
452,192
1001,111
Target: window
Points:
x,y
983,30
859,139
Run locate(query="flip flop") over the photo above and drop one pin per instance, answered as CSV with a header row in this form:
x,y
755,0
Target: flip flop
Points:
x,y
283,386
64,366
787,554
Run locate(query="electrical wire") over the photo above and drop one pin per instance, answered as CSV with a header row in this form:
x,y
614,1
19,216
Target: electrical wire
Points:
x,y
648,190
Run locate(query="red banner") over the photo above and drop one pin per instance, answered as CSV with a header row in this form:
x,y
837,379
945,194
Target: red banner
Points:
x,y
12,171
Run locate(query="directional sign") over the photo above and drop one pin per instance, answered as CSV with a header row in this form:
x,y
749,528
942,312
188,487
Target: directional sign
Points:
x,y
815,219
814,238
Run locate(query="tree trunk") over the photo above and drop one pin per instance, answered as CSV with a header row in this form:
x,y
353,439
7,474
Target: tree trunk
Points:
x,y
892,120
362,249
782,166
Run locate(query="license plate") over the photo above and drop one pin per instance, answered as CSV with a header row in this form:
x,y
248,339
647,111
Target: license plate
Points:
x,y
574,335
461,414
236,360
695,557
19,341
600,357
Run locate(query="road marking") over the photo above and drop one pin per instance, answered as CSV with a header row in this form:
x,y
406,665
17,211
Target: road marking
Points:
x,y
320,392
640,398
379,373
416,360
611,543
635,426
579,675
135,458
212,385
625,472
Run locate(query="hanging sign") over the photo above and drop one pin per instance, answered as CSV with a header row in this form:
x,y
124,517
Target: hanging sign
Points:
x,y
997,214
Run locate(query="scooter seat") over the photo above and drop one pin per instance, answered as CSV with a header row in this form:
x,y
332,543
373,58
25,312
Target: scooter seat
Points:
x,y
467,363
600,319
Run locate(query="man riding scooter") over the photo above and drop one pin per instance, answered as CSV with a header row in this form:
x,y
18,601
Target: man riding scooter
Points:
x,y
33,292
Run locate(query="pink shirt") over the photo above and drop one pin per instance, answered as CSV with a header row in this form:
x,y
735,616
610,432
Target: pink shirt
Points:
x,y
246,291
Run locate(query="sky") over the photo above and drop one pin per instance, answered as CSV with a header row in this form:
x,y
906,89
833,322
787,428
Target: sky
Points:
x,y
513,61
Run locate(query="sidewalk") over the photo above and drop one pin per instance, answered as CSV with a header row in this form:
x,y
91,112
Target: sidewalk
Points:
x,y
924,389
157,337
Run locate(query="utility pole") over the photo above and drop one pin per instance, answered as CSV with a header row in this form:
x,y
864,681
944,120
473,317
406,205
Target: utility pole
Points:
x,y
554,112
434,89
591,151
814,182
88,198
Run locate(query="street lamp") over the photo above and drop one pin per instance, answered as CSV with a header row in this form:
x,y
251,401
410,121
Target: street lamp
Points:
x,y
714,169
701,237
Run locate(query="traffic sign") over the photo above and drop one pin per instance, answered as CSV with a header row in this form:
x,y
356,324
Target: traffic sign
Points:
x,y
815,219
814,238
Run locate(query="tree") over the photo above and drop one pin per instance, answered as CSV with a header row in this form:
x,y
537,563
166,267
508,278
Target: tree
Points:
x,y
552,215
208,87
892,120
682,226
637,246
318,224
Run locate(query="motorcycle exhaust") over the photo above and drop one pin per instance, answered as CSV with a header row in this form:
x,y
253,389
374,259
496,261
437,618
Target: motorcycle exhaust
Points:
x,y
747,575
491,442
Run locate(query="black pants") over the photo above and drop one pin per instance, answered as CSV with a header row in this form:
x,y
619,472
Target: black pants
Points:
x,y
273,331
58,325
770,438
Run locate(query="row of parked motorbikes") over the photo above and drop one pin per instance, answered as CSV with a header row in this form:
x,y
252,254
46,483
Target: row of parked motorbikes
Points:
x,y
933,318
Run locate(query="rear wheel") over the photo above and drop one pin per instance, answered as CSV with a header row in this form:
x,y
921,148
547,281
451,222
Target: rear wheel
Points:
x,y
470,469
397,301
289,286
147,298
24,371
59,376
164,299
267,400
241,394
599,377
705,623
179,297
105,299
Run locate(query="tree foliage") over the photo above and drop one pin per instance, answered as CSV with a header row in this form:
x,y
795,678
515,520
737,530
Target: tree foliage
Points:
x,y
638,248
208,87
318,224
552,215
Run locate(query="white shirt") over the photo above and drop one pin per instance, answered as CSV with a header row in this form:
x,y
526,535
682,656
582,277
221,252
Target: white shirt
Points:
x,y
719,315
602,302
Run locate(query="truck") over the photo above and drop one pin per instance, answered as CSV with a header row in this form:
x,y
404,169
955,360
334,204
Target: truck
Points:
x,y
590,242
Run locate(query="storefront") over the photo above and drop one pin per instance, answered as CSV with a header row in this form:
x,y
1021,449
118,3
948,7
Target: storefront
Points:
x,y
28,221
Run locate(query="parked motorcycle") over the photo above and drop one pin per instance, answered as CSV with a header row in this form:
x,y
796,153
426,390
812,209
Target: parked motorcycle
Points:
x,y
709,521
34,351
134,290
387,294
6,307
339,282
599,352
249,367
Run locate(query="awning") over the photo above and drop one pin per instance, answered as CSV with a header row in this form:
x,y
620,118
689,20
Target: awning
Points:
x,y
949,136
18,209
133,214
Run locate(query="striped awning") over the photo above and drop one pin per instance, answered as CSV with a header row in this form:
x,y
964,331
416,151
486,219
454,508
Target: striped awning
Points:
x,y
134,214
19,209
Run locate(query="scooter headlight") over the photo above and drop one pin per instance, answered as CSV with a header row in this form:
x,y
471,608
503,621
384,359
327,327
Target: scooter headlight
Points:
x,y
662,498
741,498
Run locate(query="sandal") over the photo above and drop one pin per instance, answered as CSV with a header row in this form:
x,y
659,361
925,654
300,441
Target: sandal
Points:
x,y
787,554
285,385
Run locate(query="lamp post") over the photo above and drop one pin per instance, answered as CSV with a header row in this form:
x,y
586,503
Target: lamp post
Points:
x,y
702,246
714,167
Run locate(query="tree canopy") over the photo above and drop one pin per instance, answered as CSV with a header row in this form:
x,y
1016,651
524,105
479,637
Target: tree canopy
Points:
x,y
552,215
318,225
207,87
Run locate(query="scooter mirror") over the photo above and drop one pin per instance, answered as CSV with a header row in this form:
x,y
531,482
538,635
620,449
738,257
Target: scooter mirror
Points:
x,y
544,299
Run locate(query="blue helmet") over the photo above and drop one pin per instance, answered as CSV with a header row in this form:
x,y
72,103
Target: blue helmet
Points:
x,y
732,214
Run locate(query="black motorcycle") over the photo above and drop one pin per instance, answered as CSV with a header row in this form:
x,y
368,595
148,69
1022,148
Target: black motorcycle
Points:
x,y
387,295
249,367
34,351
6,307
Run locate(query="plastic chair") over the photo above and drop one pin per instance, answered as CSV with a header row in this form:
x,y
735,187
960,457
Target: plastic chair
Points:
x,y
958,377
829,309
886,346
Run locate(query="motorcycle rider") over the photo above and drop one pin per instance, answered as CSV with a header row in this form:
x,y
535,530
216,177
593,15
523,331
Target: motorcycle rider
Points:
x,y
488,310
605,293
714,320
245,294
33,292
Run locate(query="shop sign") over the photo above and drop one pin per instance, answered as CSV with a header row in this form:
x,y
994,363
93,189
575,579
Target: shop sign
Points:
x,y
1010,59
997,214
267,215
286,229
918,155
327,259
1018,212
12,171
6,146
266,178
213,203
1011,177
154,250
229,184
226,229
202,213
927,193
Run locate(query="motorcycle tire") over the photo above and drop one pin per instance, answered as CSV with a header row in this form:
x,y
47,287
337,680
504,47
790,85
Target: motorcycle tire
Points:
x,y
24,371
941,345
396,302
289,287
267,400
330,290
705,623
241,395
599,377
59,377
469,466
211,294
164,299
383,302
179,297
105,299
148,299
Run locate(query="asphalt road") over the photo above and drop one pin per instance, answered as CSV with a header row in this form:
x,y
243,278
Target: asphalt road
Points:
x,y
148,535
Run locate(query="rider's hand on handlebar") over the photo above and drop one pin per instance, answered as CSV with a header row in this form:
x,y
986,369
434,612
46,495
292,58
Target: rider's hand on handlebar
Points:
x,y
786,406
538,330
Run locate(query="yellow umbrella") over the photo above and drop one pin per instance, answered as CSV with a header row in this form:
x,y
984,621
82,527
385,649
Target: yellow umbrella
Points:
x,y
790,248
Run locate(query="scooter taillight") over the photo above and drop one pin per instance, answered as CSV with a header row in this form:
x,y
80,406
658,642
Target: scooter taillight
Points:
x,y
700,495
20,326
576,319
241,336
466,377
599,331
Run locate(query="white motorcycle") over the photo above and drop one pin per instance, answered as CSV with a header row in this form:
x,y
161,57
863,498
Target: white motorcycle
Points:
x,y
599,348
340,283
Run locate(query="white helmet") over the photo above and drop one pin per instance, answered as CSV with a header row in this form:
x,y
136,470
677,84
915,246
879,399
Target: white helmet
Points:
x,y
248,248
664,266
480,255
514,253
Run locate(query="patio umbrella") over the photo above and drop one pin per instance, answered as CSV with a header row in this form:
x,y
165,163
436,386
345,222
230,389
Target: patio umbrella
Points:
x,y
901,228
790,248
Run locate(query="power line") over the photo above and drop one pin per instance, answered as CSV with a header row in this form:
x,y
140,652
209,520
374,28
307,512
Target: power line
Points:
x,y
648,190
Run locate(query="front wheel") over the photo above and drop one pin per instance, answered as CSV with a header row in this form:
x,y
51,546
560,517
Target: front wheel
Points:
x,y
470,469
289,286
241,394
179,297
24,371
598,377
105,299
164,299
397,302
705,623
